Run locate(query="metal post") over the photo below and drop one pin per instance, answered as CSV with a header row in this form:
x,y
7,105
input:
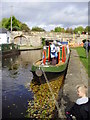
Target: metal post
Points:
x,y
11,17
11,23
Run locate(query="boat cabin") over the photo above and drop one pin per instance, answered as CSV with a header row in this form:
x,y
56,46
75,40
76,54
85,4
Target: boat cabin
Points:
x,y
54,52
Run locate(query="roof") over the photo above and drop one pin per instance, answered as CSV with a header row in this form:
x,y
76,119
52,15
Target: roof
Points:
x,y
3,30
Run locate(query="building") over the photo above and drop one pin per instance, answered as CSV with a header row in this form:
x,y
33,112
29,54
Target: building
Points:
x,y
4,36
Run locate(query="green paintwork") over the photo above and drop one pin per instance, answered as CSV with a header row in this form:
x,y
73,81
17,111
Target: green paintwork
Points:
x,y
51,68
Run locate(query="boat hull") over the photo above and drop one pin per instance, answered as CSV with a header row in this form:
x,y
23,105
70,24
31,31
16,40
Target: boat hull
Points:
x,y
50,75
10,53
51,68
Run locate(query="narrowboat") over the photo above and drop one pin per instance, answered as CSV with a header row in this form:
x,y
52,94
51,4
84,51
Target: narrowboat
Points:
x,y
49,65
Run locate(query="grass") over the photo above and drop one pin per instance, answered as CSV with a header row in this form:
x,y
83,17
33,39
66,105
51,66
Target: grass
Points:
x,y
82,54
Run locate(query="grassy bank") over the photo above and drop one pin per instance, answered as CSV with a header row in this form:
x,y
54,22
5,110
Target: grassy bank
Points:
x,y
82,54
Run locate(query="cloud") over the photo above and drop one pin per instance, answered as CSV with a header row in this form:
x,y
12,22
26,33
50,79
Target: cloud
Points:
x,y
48,14
70,15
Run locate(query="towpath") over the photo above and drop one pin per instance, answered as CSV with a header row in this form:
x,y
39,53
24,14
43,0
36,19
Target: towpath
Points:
x,y
76,74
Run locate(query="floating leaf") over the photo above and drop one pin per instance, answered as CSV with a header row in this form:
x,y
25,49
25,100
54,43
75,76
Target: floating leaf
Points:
x,y
43,104
13,104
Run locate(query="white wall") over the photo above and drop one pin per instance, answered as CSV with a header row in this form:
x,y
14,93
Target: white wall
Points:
x,y
3,38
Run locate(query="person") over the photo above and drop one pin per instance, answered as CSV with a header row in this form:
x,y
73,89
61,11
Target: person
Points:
x,y
57,53
53,53
68,49
89,45
86,46
82,106
53,50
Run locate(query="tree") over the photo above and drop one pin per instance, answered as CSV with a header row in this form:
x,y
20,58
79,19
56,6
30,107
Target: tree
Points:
x,y
15,28
16,24
52,30
3,22
62,30
79,29
75,30
38,29
57,29
25,27
87,29
69,30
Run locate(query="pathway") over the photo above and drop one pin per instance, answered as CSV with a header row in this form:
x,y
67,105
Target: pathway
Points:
x,y
76,75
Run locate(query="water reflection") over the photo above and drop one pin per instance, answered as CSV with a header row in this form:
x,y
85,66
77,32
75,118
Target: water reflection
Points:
x,y
30,56
43,105
25,58
16,78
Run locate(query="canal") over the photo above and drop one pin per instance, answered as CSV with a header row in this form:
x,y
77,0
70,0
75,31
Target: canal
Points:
x,y
23,96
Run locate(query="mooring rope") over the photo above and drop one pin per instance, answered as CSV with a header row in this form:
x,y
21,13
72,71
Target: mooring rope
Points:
x,y
56,103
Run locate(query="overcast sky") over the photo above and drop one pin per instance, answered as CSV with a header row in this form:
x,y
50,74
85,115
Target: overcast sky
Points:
x,y
47,15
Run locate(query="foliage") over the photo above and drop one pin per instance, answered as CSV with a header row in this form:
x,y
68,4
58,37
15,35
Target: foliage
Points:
x,y
52,30
43,41
16,24
62,30
3,22
16,28
69,30
79,29
87,29
0,24
24,27
57,29
38,29
75,30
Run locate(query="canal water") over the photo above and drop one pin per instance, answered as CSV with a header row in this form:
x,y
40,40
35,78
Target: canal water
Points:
x,y
22,96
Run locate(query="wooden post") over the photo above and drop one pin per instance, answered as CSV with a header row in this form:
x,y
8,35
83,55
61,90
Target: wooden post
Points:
x,y
59,56
63,54
44,56
49,53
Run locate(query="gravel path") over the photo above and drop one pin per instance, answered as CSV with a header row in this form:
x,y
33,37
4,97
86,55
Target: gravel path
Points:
x,y
76,75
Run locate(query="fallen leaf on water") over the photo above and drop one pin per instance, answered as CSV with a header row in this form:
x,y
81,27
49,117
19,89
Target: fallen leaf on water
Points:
x,y
13,104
